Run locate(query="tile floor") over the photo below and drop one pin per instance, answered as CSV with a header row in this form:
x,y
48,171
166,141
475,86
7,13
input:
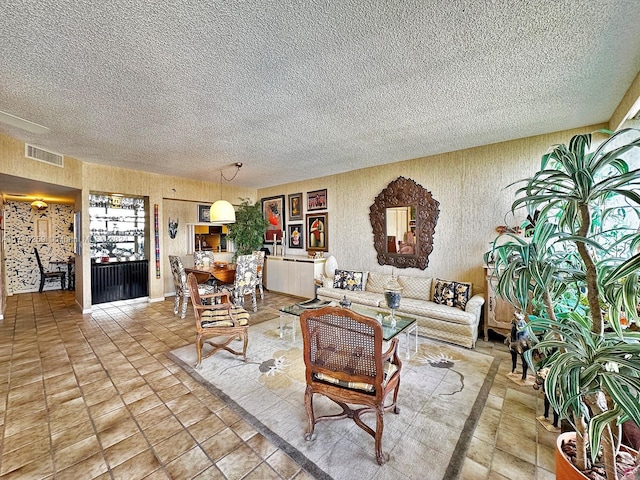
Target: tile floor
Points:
x,y
94,396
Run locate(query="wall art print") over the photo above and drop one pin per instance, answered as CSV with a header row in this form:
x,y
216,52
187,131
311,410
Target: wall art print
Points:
x,y
295,207
273,212
317,232
203,213
295,236
317,200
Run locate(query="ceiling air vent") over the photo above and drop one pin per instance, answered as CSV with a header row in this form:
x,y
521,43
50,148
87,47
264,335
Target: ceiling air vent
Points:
x,y
42,155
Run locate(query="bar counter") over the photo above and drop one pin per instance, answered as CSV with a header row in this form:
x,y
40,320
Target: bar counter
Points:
x,y
113,280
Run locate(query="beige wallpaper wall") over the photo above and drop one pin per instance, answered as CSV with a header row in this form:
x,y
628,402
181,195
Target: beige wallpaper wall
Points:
x,y
470,186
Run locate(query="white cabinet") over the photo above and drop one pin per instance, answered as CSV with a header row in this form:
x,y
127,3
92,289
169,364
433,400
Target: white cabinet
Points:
x,y
293,275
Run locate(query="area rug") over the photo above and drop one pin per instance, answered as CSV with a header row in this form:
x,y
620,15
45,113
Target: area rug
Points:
x,y
442,393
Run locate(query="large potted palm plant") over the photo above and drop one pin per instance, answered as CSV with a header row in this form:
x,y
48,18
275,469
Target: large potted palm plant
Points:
x,y
585,243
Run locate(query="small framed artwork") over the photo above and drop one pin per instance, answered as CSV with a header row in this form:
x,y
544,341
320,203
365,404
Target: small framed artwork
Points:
x,y
295,236
42,230
203,213
273,211
317,200
295,207
317,232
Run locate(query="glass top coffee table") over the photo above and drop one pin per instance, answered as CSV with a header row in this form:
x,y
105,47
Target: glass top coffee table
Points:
x,y
404,325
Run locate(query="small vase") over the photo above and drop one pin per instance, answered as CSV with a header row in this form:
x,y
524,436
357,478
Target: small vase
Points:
x,y
392,295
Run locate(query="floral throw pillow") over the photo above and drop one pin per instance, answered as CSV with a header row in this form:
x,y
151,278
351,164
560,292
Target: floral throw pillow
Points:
x,y
452,294
348,280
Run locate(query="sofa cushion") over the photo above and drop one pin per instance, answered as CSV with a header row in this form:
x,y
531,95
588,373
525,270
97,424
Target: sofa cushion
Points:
x,y
450,293
415,287
360,298
421,308
349,280
376,282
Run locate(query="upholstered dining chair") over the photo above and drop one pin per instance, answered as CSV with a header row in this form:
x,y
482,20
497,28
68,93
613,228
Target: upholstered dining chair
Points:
x,y
344,361
180,286
260,254
245,280
48,275
219,319
203,257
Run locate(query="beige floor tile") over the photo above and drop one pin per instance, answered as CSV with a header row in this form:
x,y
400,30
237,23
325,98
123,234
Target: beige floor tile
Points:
x,y
174,446
189,464
94,467
31,452
239,462
221,443
472,470
127,448
206,428
283,464
139,466
76,452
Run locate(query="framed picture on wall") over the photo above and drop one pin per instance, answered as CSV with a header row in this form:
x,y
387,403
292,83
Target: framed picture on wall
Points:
x,y
295,207
273,211
317,200
43,228
295,236
203,213
317,232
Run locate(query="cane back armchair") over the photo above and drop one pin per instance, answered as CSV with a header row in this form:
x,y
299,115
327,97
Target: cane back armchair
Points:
x,y
344,361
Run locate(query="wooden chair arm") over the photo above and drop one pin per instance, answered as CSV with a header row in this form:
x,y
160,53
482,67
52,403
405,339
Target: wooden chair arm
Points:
x,y
392,351
221,294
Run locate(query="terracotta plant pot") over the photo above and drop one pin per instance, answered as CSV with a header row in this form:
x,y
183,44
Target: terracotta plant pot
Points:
x,y
564,468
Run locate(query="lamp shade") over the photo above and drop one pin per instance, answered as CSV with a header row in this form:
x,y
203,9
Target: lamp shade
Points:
x,y
222,212
330,266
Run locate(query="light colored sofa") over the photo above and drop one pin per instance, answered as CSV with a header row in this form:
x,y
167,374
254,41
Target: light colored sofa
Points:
x,y
454,318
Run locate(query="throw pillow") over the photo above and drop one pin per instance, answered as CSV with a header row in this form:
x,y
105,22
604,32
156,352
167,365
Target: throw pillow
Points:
x,y
376,282
415,287
349,280
452,294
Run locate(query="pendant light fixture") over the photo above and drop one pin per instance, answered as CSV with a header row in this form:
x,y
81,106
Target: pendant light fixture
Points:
x,y
38,204
222,212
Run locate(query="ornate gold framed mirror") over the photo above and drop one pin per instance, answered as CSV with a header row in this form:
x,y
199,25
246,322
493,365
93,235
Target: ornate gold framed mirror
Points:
x,y
403,218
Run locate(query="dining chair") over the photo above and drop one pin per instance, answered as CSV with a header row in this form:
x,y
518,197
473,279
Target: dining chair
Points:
x,y
180,286
245,280
344,362
203,257
219,319
47,274
260,254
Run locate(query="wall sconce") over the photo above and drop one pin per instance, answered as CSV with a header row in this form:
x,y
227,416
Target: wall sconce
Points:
x,y
39,204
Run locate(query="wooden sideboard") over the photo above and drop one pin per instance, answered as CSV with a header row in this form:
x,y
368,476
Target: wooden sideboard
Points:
x,y
498,312
293,275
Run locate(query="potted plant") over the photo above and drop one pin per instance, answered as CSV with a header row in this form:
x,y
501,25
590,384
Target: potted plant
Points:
x,y
582,263
248,231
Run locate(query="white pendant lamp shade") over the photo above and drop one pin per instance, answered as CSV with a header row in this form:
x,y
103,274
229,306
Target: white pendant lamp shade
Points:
x,y
222,212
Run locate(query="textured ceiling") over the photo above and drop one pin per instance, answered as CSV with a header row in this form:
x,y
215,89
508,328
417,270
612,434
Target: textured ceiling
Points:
x,y
295,90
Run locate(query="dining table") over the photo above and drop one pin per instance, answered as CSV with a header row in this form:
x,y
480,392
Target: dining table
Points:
x,y
222,273
69,265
